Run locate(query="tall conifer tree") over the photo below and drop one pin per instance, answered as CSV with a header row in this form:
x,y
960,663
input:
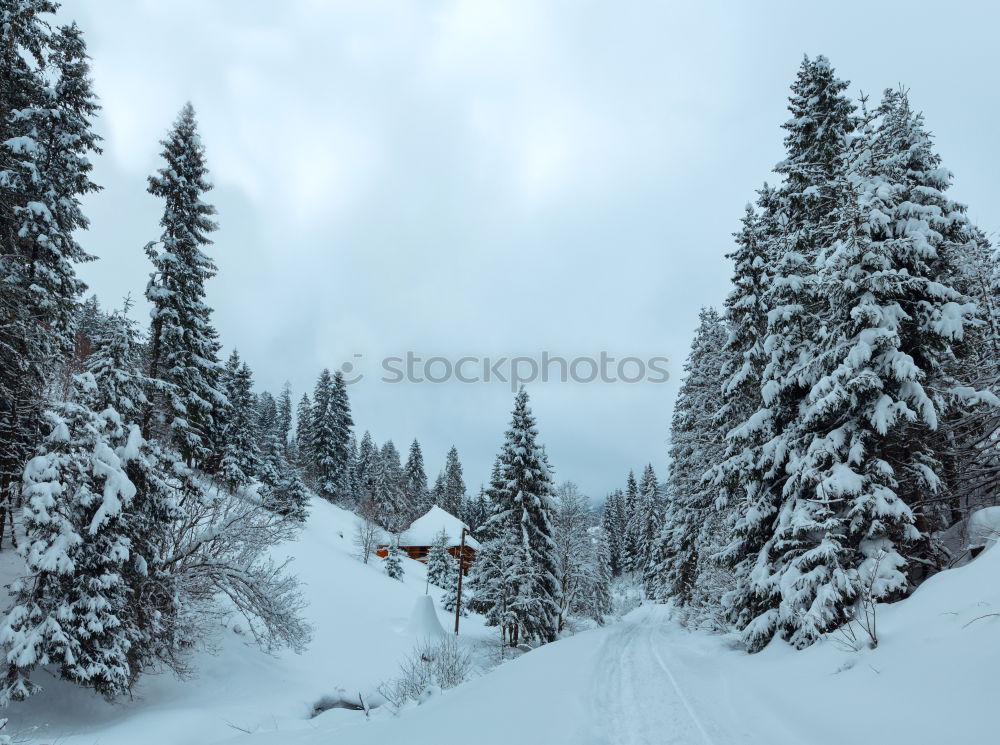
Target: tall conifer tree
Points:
x,y
183,343
45,143
695,445
522,523
454,485
417,494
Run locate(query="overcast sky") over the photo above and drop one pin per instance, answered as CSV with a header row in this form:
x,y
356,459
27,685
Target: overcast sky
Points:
x,y
493,178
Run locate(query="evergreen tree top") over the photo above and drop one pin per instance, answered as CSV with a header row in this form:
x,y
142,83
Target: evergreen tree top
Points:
x,y
389,453
415,473
181,182
631,486
115,366
415,459
822,117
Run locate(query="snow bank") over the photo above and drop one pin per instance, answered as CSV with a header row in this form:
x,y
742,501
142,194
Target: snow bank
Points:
x,y
984,527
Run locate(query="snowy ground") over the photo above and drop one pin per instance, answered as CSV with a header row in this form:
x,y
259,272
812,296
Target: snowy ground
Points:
x,y
361,632
642,681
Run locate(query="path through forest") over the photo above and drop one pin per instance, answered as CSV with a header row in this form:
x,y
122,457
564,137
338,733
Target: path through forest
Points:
x,y
652,686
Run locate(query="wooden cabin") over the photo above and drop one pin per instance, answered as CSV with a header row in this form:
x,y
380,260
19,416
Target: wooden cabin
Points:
x,y
417,540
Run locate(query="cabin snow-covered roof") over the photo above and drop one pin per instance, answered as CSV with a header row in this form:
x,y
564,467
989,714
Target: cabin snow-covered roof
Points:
x,y
425,529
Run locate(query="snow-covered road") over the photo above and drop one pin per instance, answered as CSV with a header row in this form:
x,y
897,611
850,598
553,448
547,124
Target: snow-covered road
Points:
x,y
643,681
639,699
655,683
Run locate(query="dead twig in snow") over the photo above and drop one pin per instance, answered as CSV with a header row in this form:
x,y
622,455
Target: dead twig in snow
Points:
x,y
979,619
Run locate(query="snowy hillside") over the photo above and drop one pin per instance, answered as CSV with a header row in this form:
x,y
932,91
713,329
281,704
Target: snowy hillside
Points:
x,y
644,680
361,630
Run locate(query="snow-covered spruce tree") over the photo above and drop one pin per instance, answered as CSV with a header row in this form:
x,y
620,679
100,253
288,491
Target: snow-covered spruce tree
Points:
x,y
489,587
329,436
762,447
154,608
438,492
321,449
365,468
90,318
353,487
596,602
494,581
747,508
962,368
393,561
524,510
615,530
741,417
268,444
476,510
393,465
70,610
130,590
115,362
183,345
239,459
89,324
282,487
303,430
91,534
290,496
454,486
631,537
449,601
763,233
283,424
388,490
439,560
649,522
895,325
45,143
696,445
968,439
343,424
417,494
867,328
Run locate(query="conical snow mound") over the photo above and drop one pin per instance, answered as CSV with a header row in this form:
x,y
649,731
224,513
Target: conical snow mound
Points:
x,y
424,620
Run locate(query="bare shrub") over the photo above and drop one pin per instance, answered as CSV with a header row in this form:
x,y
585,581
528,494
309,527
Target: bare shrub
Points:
x,y
218,555
433,665
366,531
861,630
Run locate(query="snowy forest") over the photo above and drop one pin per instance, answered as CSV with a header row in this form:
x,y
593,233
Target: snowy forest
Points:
x,y
837,424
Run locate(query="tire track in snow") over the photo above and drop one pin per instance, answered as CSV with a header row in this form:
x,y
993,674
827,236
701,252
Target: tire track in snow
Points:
x,y
640,701
680,694
609,680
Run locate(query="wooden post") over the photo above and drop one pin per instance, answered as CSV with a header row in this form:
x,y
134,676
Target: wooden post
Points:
x,y
461,566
